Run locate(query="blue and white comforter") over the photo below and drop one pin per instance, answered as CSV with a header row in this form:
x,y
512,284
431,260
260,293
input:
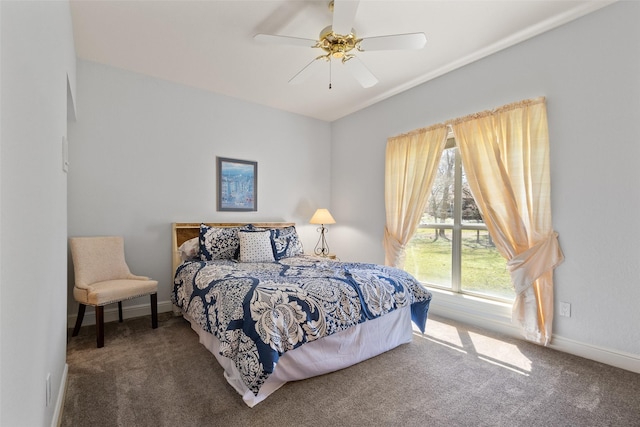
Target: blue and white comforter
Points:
x,y
259,311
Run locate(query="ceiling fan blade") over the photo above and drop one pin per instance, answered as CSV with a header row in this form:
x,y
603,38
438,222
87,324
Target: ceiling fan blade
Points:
x,y
284,40
397,41
307,71
360,72
344,13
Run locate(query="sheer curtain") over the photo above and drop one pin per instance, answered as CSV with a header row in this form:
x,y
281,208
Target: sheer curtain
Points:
x,y
410,166
505,154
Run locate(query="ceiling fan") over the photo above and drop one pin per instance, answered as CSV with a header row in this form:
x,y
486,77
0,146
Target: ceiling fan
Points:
x,y
339,41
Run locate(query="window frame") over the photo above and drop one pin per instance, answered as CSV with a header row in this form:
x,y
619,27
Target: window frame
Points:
x,y
457,227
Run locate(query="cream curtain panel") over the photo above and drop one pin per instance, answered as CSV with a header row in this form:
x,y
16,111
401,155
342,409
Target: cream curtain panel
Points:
x,y
505,154
410,166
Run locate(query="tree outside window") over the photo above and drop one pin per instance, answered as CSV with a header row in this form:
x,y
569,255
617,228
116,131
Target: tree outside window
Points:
x,y
452,248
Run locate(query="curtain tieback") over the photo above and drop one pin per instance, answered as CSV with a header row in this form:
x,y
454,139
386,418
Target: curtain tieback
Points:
x,y
392,240
394,249
527,266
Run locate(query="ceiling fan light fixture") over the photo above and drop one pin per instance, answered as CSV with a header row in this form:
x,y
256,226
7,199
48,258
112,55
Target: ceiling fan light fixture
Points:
x,y
337,45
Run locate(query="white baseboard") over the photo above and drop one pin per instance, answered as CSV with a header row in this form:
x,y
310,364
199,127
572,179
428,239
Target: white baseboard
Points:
x,y
495,316
111,313
491,315
62,391
627,361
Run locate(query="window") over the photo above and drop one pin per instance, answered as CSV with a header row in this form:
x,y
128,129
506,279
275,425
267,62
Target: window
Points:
x,y
507,149
452,248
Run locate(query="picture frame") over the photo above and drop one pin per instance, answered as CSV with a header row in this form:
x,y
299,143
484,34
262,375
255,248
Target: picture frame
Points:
x,y
237,185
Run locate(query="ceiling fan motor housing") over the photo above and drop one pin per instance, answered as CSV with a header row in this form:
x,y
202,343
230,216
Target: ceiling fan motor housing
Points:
x,y
337,45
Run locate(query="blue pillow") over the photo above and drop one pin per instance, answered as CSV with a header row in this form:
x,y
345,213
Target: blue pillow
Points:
x,y
218,242
285,243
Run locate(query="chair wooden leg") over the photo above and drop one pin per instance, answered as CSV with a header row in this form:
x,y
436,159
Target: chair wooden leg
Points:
x,y
79,319
154,311
120,311
100,325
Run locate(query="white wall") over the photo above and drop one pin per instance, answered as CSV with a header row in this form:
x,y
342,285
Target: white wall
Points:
x,y
143,155
37,55
589,70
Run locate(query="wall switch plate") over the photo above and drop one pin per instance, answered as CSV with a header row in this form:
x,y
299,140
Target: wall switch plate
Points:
x,y
65,155
48,390
565,309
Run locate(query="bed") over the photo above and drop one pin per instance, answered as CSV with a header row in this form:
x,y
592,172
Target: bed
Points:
x,y
271,314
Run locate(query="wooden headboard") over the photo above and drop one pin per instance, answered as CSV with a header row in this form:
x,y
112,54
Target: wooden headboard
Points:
x,y
183,231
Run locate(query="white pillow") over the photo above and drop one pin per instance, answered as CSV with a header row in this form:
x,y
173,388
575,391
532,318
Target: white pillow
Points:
x,y
255,246
190,249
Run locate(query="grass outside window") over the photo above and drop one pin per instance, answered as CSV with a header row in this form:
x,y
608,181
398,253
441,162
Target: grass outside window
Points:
x,y
483,269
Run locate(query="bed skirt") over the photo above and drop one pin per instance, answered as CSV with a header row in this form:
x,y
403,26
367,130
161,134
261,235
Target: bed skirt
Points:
x,y
328,354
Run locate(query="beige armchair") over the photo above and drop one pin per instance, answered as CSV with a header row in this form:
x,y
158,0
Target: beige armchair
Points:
x,y
102,277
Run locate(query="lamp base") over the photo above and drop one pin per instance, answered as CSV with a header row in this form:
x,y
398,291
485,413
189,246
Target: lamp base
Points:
x,y
322,248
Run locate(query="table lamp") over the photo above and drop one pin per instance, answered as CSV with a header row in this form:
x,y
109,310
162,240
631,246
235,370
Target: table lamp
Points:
x,y
322,217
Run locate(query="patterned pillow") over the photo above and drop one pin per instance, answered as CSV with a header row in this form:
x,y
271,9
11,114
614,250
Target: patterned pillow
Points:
x,y
218,242
286,243
255,246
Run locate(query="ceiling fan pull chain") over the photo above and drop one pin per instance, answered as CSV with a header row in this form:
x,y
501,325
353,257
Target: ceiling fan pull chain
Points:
x,y
330,73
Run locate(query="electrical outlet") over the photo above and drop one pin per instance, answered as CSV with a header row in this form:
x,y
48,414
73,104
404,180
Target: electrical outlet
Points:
x,y
48,390
565,309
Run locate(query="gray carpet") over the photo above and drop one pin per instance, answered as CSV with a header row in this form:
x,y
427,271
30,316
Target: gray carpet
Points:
x,y
455,375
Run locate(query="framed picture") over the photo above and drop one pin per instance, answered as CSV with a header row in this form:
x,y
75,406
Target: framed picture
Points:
x,y
237,185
